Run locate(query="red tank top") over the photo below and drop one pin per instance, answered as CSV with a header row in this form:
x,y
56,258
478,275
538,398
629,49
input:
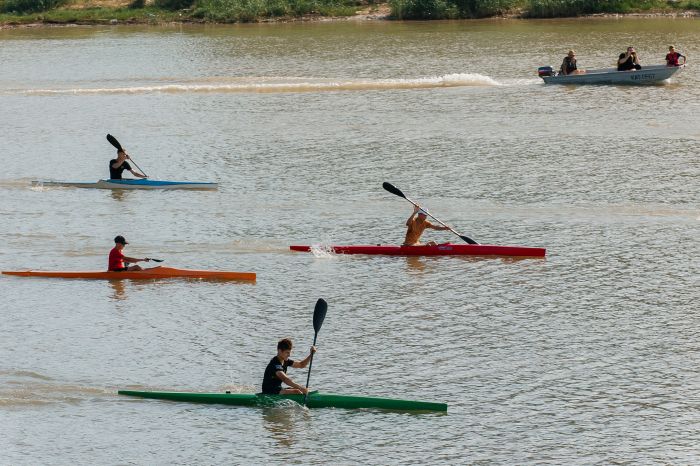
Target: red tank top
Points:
x,y
116,259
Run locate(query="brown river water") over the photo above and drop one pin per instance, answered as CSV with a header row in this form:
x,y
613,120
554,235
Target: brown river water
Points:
x,y
589,356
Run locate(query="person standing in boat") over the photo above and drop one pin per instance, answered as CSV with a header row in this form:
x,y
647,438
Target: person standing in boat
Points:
x,y
118,165
417,224
276,371
672,57
628,61
569,65
118,262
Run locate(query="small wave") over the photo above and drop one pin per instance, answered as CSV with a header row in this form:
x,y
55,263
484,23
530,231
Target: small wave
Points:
x,y
287,86
22,183
20,373
322,251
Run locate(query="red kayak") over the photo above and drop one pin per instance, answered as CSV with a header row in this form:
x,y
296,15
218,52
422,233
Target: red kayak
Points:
x,y
446,249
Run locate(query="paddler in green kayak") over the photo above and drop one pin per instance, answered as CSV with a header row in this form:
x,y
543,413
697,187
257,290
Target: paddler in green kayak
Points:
x,y
276,371
417,223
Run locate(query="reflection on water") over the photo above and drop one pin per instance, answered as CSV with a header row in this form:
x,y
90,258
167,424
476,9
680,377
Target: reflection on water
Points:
x,y
118,289
416,263
120,194
284,423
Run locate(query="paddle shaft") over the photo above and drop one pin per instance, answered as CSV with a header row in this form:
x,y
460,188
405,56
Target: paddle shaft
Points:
x,y
311,363
137,166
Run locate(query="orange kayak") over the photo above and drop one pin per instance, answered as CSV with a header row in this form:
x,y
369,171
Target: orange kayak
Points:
x,y
147,274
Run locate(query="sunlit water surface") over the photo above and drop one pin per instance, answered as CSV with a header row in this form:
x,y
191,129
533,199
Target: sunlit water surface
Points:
x,y
587,356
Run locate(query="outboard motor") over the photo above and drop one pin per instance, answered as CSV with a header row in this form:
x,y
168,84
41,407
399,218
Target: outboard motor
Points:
x,y
545,71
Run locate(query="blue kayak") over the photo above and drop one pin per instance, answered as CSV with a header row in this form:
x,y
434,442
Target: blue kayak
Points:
x,y
130,184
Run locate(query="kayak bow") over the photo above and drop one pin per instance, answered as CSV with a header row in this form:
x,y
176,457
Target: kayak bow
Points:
x,y
131,184
314,400
446,249
147,274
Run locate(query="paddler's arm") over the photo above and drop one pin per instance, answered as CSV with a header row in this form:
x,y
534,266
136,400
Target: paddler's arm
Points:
x,y
132,260
284,378
436,227
410,219
137,174
305,362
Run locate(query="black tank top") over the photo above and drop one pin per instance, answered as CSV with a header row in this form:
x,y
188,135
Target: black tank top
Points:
x,y
116,173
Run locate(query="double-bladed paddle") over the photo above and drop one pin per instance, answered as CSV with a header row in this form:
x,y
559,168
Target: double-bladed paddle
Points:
x,y
394,190
112,140
319,316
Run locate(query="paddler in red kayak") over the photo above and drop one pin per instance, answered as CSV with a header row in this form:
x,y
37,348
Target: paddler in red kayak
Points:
x,y
417,223
276,371
118,262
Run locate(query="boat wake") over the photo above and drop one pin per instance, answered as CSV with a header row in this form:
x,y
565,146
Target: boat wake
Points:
x,y
323,251
27,388
279,85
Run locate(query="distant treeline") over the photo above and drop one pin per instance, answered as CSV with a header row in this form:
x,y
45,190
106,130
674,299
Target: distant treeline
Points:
x,y
465,9
255,10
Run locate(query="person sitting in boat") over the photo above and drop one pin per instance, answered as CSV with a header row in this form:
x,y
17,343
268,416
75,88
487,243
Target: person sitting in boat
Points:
x,y
118,262
276,371
118,165
417,223
672,57
569,66
628,61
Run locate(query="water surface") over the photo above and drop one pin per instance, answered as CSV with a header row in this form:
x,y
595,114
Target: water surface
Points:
x,y
587,356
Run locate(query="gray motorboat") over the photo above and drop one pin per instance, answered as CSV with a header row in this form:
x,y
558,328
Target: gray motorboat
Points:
x,y
652,74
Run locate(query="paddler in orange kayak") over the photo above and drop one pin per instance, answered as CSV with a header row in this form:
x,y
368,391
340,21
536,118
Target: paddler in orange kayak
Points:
x,y
417,223
118,262
276,371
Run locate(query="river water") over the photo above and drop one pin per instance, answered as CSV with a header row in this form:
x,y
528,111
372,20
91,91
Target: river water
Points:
x,y
587,356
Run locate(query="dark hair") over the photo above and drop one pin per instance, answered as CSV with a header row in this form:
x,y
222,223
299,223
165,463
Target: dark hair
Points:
x,y
284,344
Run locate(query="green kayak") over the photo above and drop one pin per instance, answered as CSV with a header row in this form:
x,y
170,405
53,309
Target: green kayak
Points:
x,y
314,400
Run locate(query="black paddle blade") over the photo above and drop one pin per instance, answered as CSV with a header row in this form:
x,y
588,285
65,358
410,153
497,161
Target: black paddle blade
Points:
x,y
112,140
467,239
155,260
393,189
319,314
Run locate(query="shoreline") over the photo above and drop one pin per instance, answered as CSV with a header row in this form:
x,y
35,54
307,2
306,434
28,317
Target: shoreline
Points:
x,y
379,12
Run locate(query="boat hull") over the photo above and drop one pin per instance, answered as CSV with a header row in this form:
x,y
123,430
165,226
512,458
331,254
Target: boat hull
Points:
x,y
653,74
446,249
131,184
147,274
314,400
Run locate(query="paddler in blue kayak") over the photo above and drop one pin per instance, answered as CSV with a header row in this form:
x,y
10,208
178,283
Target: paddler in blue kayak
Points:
x,y
118,165
118,262
276,371
417,223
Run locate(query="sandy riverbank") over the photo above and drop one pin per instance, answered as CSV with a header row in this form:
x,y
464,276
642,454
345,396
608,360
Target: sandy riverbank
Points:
x,y
375,12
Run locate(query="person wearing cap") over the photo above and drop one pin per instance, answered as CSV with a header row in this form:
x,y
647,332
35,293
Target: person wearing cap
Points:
x,y
569,65
417,223
118,165
118,262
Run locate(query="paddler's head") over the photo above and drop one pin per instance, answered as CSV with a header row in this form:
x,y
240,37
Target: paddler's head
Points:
x,y
421,215
120,242
284,349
